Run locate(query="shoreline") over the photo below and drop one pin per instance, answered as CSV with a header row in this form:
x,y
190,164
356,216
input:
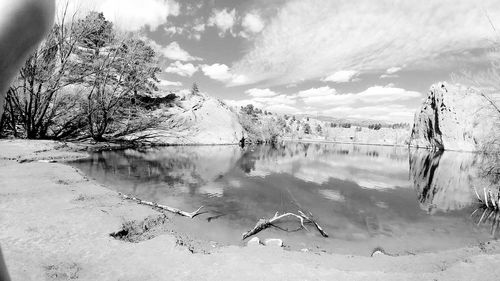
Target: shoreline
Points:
x,y
340,142
58,221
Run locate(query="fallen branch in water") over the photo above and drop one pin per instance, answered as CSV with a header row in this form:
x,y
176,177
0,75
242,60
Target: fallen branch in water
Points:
x,y
488,216
266,223
491,199
164,207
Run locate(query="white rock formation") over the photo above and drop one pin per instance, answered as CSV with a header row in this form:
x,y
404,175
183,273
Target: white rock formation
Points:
x,y
453,117
198,119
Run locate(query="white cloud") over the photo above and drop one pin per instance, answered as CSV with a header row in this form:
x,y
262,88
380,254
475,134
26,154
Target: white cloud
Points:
x,y
393,70
196,31
221,72
128,15
280,99
224,20
326,96
261,93
282,108
251,23
317,92
174,52
186,70
308,38
392,112
342,76
173,30
199,27
217,71
268,100
166,83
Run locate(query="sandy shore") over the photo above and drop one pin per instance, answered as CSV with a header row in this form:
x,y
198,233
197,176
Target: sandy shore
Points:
x,y
55,225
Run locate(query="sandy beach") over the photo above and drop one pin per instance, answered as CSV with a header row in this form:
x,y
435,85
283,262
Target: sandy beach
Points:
x,y
55,224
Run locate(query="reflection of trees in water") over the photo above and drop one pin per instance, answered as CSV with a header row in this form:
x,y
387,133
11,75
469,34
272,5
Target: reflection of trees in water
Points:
x,y
444,181
291,150
155,169
138,167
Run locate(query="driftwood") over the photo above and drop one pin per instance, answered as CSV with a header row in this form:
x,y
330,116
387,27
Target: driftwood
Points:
x,y
488,216
489,204
490,200
164,207
266,223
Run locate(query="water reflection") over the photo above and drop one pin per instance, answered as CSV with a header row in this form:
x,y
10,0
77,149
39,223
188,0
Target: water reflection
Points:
x,y
445,182
362,195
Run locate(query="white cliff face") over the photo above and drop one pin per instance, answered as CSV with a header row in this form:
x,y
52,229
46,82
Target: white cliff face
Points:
x,y
198,119
453,117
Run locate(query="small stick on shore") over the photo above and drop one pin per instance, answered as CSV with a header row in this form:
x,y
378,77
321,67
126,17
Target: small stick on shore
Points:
x,y
266,223
163,207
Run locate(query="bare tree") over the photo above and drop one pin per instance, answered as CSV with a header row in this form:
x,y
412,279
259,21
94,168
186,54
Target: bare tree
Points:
x,y
117,70
33,100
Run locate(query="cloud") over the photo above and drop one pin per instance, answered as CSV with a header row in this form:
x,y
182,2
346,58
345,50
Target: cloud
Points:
x,y
268,100
173,30
217,71
260,93
251,23
128,15
342,76
282,108
317,92
166,83
174,52
391,72
326,96
308,38
186,70
391,112
280,99
220,72
224,20
196,30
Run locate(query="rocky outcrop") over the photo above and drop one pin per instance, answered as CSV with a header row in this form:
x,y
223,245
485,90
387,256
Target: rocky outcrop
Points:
x,y
197,119
453,117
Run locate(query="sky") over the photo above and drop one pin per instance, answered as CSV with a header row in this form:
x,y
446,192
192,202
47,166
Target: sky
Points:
x,y
359,59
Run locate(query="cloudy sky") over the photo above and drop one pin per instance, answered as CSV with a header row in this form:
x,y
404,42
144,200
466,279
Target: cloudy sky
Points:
x,y
342,58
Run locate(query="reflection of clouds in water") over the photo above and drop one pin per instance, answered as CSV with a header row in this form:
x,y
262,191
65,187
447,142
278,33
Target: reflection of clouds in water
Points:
x,y
344,162
382,205
212,189
234,183
262,173
349,188
332,195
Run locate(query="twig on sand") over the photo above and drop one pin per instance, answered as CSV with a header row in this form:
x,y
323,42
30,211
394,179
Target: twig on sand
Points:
x,y
164,207
266,223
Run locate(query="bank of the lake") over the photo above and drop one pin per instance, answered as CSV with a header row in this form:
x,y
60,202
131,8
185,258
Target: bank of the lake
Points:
x,y
55,225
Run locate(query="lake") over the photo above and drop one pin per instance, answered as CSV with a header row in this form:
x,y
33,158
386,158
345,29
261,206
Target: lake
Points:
x,y
405,202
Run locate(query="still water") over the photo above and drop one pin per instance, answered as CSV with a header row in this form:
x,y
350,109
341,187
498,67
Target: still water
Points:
x,y
364,196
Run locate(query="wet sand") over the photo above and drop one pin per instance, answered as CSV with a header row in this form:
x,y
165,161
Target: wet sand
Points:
x,y
55,225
